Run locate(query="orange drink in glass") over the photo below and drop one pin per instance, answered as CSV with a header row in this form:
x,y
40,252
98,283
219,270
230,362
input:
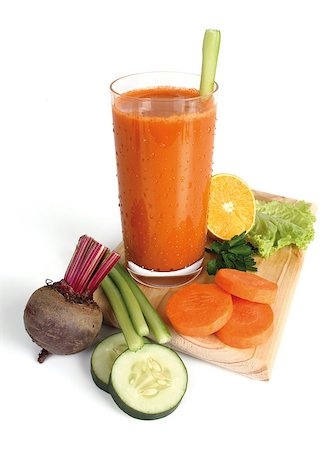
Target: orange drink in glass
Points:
x,y
164,137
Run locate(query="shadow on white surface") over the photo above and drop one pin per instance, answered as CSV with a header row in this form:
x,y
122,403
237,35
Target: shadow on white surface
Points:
x,y
103,399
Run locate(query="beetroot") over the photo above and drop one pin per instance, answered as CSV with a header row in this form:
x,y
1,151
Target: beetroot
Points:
x,y
62,317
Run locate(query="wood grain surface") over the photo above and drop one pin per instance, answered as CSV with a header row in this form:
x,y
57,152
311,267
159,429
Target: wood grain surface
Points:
x,y
283,267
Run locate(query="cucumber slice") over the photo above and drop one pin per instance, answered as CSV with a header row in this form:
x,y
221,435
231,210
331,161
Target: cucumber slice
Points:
x,y
150,383
103,357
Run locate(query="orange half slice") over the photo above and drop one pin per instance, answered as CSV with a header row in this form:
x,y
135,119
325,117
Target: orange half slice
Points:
x,y
231,208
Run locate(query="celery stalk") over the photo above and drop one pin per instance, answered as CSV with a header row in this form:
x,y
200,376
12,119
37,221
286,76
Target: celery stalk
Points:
x,y
131,303
210,53
134,341
156,324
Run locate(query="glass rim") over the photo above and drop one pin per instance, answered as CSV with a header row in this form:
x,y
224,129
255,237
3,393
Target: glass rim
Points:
x,y
114,91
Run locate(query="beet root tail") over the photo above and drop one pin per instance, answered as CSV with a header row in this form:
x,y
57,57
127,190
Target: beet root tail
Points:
x,y
42,355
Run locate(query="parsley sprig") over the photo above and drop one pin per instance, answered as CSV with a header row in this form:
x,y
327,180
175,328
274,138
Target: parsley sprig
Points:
x,y
233,254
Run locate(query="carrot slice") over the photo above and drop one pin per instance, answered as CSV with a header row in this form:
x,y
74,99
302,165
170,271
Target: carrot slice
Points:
x,y
199,309
250,325
246,285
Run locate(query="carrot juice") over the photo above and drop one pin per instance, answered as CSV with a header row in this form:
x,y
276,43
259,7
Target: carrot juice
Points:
x,y
164,143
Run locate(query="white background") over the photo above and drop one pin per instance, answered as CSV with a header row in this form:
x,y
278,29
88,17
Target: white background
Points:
x,y
275,130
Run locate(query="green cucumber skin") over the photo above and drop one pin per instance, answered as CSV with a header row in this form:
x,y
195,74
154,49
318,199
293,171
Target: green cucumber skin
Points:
x,y
98,382
138,414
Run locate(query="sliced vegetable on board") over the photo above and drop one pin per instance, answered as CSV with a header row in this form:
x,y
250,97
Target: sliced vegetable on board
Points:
x,y
248,286
131,303
156,325
150,383
104,356
199,309
250,324
131,307
134,340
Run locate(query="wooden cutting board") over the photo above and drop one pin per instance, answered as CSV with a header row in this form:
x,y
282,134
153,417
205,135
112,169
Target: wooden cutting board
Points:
x,y
283,268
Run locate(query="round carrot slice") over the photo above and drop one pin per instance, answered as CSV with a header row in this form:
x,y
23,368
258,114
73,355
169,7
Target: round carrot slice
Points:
x,y
246,285
199,309
250,324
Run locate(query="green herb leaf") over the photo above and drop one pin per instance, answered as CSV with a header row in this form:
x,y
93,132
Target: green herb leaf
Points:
x,y
237,240
233,254
216,247
211,267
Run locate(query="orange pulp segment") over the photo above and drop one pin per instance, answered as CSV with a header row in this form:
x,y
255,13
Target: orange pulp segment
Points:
x,y
231,208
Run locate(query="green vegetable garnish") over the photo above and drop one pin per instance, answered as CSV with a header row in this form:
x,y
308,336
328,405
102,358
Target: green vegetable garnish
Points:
x,y
134,341
154,321
131,303
280,224
210,53
233,254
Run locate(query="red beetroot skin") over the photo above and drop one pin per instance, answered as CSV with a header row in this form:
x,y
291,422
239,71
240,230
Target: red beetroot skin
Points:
x,y
59,325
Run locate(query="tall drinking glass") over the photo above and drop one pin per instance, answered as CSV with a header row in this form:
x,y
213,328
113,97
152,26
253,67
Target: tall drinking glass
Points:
x,y
164,135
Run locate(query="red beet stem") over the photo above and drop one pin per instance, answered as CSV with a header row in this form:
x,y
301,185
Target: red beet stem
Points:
x,y
104,269
81,249
88,265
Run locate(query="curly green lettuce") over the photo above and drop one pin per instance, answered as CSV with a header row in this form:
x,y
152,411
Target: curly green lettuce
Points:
x,y
279,224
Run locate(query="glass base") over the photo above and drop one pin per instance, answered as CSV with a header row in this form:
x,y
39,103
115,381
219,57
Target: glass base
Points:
x,y
171,279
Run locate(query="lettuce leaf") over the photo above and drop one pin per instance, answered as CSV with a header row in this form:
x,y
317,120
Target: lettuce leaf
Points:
x,y
279,224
